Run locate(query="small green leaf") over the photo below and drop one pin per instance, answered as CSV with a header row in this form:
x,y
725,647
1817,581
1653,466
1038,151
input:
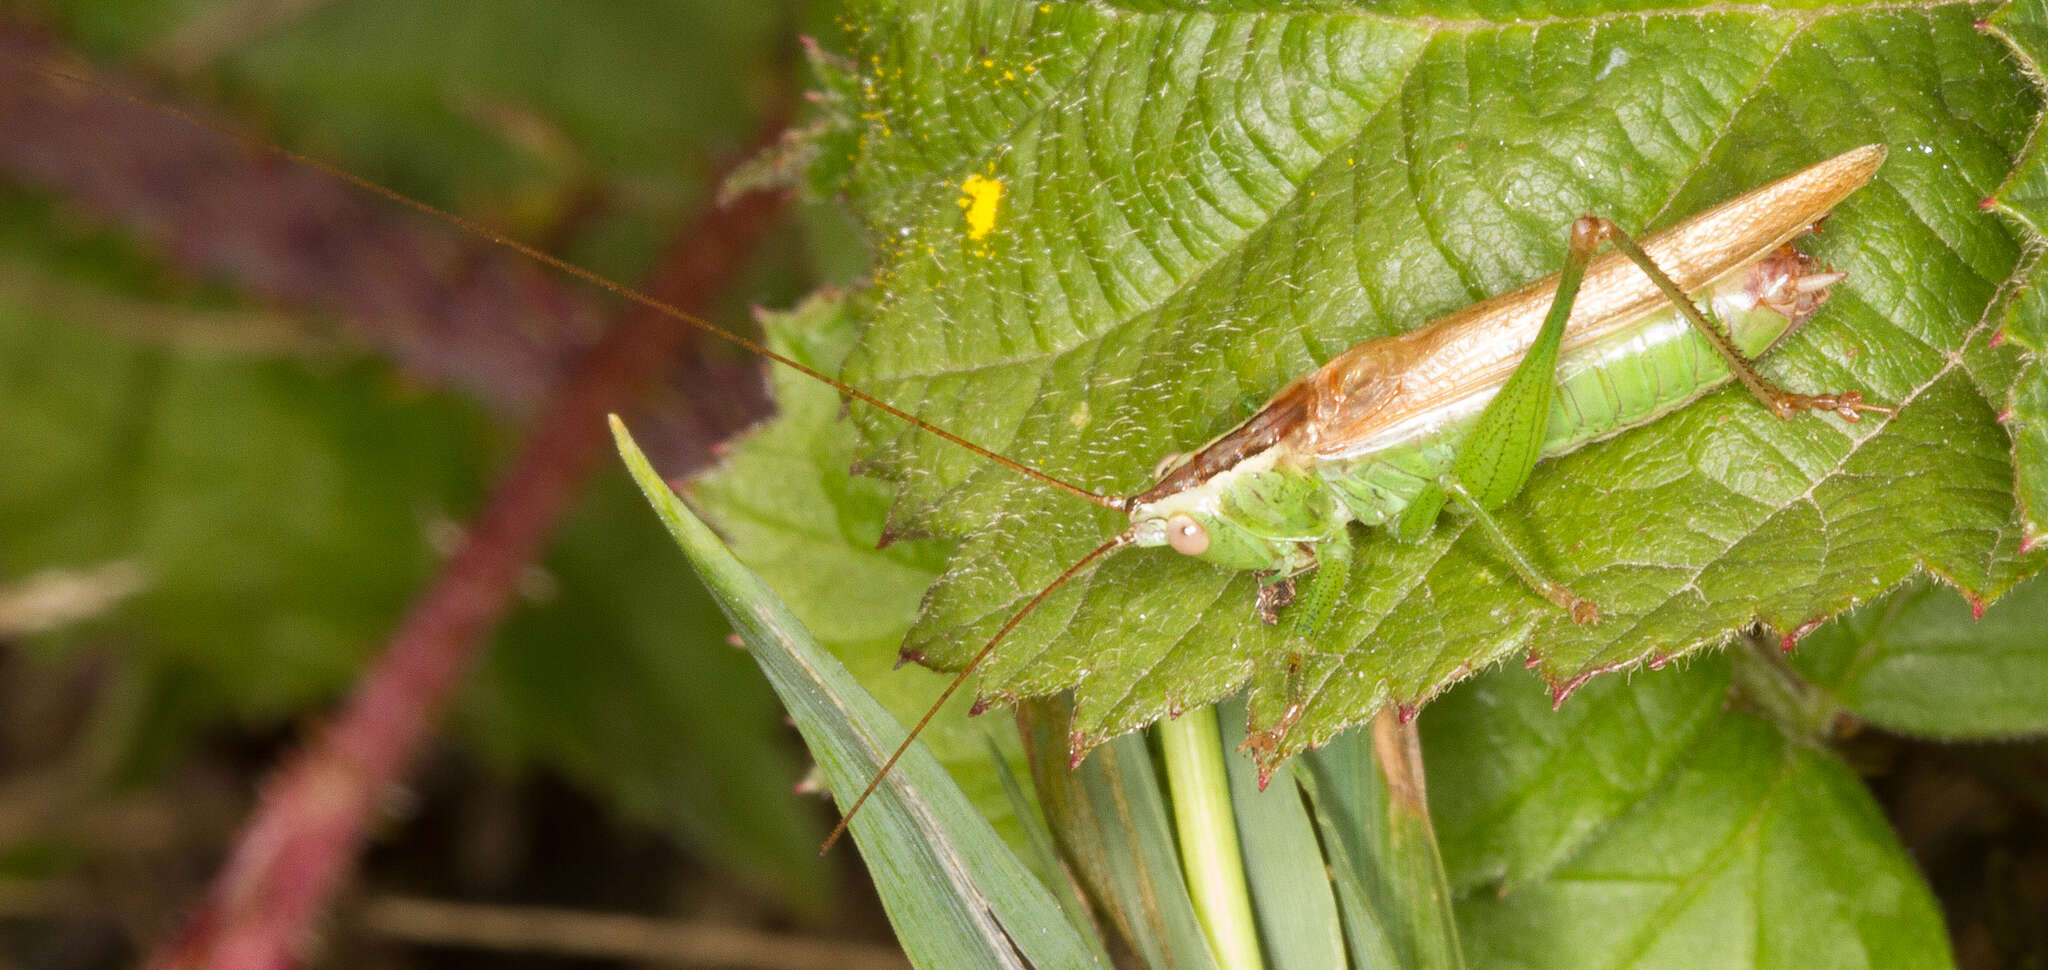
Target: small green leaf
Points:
x,y
1919,662
1518,784
1756,853
956,894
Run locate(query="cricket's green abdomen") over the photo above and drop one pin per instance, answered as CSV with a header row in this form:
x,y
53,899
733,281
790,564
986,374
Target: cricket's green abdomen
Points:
x,y
1626,378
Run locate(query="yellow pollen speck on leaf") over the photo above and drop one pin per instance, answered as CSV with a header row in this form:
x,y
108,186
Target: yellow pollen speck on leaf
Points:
x,y
980,196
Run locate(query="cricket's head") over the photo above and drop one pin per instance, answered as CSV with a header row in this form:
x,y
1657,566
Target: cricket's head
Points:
x,y
1208,521
1170,522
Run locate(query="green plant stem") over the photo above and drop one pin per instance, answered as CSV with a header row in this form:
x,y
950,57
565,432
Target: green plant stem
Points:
x,y
1767,681
1208,837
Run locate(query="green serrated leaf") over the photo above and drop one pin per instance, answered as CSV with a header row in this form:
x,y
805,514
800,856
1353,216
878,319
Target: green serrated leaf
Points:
x,y
2024,197
1197,206
2028,422
2024,194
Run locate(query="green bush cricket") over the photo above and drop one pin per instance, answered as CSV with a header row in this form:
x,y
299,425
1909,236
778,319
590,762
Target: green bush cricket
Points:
x,y
1459,410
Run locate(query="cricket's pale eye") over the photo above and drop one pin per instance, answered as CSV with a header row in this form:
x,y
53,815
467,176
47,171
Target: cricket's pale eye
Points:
x,y
1187,536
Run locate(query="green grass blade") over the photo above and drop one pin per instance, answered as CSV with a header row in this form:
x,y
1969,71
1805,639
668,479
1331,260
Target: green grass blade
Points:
x,y
1384,854
1325,775
1043,856
1291,893
1110,816
956,895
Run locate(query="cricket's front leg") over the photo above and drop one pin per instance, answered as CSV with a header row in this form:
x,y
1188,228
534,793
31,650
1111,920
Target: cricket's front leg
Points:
x,y
1325,585
1311,600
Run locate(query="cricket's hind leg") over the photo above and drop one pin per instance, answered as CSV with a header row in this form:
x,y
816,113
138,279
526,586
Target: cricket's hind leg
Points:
x,y
1785,282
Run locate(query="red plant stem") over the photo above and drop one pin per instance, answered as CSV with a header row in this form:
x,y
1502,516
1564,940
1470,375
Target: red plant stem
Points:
x,y
302,843
445,309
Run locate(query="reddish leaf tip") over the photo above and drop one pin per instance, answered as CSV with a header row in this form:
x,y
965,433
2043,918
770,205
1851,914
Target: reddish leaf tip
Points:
x,y
1078,746
1987,203
1791,639
1559,693
906,656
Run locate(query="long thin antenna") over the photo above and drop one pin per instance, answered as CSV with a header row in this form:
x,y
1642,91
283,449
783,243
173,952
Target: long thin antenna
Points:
x,y
564,266
1115,543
